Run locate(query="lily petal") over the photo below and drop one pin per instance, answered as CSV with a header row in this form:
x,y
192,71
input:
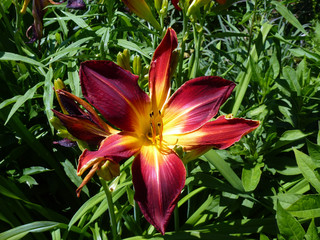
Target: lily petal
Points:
x,y
175,4
159,82
116,148
82,128
71,104
115,93
220,133
195,103
158,180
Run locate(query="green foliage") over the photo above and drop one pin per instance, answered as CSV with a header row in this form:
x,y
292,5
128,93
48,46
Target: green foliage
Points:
x,y
266,186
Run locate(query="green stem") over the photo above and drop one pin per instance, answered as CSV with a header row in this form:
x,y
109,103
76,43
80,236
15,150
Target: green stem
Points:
x,y
176,218
17,38
111,209
197,44
245,80
136,212
7,23
251,27
183,46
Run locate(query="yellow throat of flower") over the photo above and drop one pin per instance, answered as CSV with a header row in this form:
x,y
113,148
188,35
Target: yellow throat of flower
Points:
x,y
154,133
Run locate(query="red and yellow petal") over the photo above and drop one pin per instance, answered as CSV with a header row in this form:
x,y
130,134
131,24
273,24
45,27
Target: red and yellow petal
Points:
x,y
159,82
82,128
195,103
158,180
115,93
116,148
71,104
221,133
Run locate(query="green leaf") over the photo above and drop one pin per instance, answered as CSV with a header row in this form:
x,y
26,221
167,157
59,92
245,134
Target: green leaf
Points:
x,y
191,194
291,77
275,65
8,56
251,177
77,20
5,5
225,169
87,206
192,220
307,206
22,99
70,50
73,77
134,47
312,232
9,101
103,206
314,151
288,226
72,174
21,231
35,227
30,181
300,52
289,16
48,96
290,136
35,170
307,167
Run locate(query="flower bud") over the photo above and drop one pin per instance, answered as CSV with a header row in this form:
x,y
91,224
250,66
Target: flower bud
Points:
x,y
141,8
109,170
123,59
137,65
158,5
195,6
164,8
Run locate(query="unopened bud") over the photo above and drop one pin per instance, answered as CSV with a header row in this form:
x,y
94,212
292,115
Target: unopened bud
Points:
x,y
123,59
164,7
109,170
195,6
157,5
137,65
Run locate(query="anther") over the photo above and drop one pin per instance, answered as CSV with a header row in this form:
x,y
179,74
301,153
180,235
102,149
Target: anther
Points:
x,y
159,112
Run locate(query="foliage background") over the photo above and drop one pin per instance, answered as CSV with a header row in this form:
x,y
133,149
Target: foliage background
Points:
x,y
264,187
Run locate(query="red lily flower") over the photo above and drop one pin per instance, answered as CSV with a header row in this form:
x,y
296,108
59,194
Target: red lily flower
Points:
x,y
151,126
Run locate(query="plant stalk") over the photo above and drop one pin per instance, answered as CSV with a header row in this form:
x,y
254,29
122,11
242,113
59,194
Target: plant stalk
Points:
x,y
111,209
